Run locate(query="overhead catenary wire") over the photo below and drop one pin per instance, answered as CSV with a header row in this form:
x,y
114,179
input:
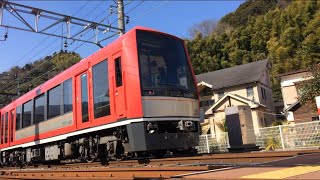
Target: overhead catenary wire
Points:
x,y
25,75
77,47
32,49
46,47
35,68
154,8
101,22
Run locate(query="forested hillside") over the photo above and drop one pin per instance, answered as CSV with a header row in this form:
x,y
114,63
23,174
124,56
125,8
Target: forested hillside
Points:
x,y
285,32
31,75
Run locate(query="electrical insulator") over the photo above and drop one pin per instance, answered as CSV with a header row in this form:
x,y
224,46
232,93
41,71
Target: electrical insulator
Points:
x,y
128,20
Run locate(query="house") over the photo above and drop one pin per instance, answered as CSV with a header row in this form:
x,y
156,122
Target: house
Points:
x,y
296,112
247,84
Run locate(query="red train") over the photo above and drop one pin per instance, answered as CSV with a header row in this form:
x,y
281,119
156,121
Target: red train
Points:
x,y
135,96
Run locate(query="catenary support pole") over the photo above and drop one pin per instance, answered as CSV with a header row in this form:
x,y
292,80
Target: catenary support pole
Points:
x,y
121,24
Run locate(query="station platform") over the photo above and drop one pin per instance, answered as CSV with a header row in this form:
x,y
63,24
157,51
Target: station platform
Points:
x,y
304,167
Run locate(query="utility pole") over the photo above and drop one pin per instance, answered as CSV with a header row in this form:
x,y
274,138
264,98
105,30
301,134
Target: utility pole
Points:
x,y
121,25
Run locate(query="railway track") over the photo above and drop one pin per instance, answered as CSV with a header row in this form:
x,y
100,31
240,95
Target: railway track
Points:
x,y
146,168
109,173
213,159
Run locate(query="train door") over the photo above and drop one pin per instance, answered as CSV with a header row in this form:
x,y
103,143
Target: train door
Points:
x,y
119,93
2,129
82,100
12,124
5,128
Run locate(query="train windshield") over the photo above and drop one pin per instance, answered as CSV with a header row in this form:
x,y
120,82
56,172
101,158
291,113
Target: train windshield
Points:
x,y
164,68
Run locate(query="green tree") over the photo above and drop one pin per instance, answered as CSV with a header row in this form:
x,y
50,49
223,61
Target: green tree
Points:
x,y
310,88
64,59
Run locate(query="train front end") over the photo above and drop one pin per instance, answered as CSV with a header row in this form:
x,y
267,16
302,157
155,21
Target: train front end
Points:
x,y
169,96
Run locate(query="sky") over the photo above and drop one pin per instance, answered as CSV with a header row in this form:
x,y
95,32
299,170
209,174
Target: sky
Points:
x,y
173,17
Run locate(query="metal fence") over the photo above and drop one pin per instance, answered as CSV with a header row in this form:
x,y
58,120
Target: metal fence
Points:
x,y
213,143
285,137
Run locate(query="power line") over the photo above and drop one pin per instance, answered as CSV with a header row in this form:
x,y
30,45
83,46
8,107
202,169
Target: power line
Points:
x,y
151,10
134,7
18,11
26,74
32,49
113,21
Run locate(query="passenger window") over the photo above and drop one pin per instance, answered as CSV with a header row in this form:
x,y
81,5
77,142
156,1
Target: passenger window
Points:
x,y
6,129
11,126
101,89
67,96
39,108
18,117
118,70
2,127
26,117
84,97
54,102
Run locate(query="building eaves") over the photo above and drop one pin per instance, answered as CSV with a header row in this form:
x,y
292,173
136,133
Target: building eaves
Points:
x,y
251,103
234,76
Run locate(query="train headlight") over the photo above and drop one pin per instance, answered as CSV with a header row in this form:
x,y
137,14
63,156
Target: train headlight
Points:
x,y
186,125
152,128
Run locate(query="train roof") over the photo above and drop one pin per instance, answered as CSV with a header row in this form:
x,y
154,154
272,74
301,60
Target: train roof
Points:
x,y
33,93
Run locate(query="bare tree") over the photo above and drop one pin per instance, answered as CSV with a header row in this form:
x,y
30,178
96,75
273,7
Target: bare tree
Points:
x,y
205,27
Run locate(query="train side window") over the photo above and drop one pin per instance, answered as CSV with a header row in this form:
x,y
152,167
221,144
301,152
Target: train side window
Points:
x,y
39,103
54,102
2,127
26,115
18,117
118,71
67,96
101,89
12,125
84,97
6,128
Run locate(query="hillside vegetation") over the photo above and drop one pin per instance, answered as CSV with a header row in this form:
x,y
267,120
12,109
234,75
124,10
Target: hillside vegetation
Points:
x,y
285,32
33,74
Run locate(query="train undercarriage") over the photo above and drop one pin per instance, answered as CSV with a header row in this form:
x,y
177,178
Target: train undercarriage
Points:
x,y
134,140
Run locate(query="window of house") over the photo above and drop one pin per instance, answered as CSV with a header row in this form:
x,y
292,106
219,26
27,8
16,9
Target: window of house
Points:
x,y
206,92
54,102
18,117
261,122
220,94
250,91
39,108
205,103
263,92
67,96
26,115
101,98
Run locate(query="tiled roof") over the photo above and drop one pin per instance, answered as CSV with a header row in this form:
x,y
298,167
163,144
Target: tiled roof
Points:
x,y
237,75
